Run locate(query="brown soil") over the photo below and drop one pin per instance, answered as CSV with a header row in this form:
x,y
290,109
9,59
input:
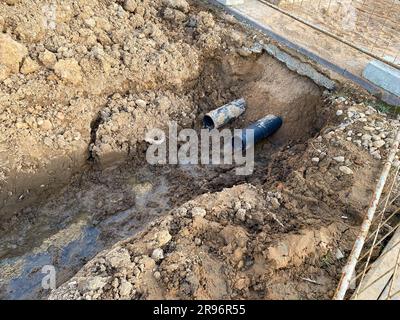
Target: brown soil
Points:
x,y
75,104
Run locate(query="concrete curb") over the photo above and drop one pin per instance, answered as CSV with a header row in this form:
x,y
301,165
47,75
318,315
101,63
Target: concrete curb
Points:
x,y
367,85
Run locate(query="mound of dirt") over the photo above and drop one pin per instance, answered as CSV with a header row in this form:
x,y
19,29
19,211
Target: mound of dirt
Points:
x,y
60,63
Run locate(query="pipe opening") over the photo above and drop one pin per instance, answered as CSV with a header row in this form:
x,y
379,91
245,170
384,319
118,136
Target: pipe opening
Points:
x,y
208,122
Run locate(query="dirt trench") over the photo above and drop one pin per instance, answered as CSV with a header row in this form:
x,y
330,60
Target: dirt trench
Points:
x,y
118,193
78,194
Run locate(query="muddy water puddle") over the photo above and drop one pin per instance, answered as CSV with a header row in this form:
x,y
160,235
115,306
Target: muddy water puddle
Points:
x,y
91,214
69,229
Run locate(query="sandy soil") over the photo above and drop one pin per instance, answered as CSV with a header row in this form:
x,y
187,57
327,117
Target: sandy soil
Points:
x,y
96,50
77,97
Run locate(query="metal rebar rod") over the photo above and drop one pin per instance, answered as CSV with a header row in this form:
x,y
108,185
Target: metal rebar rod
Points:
x,y
350,267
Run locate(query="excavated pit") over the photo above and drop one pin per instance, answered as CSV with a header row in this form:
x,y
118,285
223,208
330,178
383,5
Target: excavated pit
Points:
x,y
117,194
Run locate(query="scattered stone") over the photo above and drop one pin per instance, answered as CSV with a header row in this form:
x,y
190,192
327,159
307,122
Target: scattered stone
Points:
x,y
158,254
315,160
346,170
69,70
157,275
180,5
91,23
141,103
11,53
46,125
368,128
197,241
163,237
125,288
275,203
181,212
339,254
48,59
198,212
377,155
237,205
93,284
339,113
366,137
130,5
379,144
339,159
376,137
241,215
29,66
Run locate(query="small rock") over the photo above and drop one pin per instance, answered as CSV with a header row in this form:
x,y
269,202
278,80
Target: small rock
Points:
x,y
141,103
339,159
158,254
11,53
376,137
125,288
180,5
368,128
130,5
136,271
93,284
48,142
157,275
244,52
48,59
275,203
339,113
315,160
181,212
46,125
379,144
69,70
198,212
197,241
346,170
366,137
339,254
237,205
29,66
241,215
90,22
376,155
163,237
